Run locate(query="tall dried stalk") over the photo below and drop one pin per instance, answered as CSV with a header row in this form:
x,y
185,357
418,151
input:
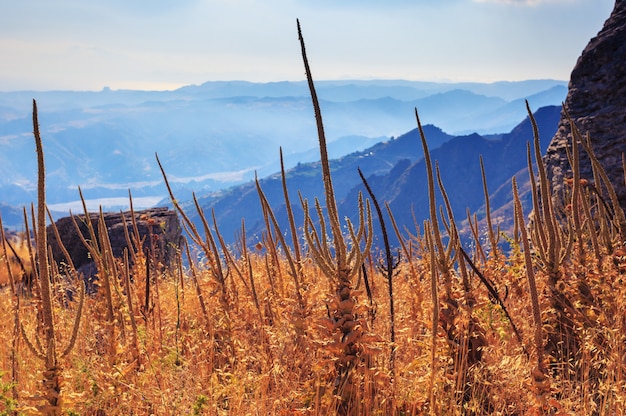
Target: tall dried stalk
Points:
x,y
7,262
443,256
467,340
434,294
539,371
553,242
216,266
340,266
48,351
548,239
292,222
295,265
100,251
493,240
270,239
617,215
16,317
388,268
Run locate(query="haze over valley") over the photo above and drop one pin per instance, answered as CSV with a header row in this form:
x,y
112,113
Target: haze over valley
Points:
x,y
216,135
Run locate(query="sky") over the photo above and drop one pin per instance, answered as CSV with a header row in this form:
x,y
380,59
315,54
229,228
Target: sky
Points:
x,y
165,44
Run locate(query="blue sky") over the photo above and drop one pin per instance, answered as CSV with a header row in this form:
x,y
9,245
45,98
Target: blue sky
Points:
x,y
163,44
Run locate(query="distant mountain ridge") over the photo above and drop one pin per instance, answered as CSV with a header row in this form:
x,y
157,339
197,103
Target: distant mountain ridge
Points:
x,y
458,160
216,135
395,171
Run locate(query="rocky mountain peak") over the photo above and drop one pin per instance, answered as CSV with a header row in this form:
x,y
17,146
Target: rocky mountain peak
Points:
x,y
596,101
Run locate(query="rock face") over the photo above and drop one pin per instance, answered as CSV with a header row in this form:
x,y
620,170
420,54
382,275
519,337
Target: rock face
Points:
x,y
162,223
597,102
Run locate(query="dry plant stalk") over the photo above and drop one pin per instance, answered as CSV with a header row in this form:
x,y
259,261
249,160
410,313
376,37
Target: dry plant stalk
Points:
x,y
539,371
16,307
48,351
389,269
295,265
618,218
214,260
340,266
547,237
434,294
493,240
443,256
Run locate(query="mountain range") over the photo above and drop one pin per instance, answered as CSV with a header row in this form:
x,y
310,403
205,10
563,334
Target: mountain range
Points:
x,y
396,173
217,135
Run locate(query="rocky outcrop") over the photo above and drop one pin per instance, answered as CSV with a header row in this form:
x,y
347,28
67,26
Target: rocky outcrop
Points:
x,y
597,102
160,223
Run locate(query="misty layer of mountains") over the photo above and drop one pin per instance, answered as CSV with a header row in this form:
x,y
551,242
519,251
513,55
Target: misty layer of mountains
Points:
x,y
215,136
396,173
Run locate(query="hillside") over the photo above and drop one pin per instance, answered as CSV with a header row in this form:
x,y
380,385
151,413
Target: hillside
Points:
x,y
396,174
459,162
242,201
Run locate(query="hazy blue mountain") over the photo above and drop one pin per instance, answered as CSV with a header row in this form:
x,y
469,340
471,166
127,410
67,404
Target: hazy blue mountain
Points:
x,y
405,187
11,215
242,201
350,90
396,173
216,135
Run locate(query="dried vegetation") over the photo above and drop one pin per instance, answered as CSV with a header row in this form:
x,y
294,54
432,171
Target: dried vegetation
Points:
x,y
314,321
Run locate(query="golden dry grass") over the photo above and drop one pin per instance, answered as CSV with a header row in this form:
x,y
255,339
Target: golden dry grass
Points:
x,y
281,361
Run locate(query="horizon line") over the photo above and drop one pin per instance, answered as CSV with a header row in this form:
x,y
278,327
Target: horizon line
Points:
x,y
172,87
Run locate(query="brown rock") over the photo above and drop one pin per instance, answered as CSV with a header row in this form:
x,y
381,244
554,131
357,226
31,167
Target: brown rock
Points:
x,y
162,223
597,102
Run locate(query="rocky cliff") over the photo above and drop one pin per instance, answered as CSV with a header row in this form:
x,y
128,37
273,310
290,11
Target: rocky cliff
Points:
x,y
596,101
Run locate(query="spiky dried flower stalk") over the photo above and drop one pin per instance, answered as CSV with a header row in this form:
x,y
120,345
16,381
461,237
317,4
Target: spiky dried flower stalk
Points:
x,y
443,259
295,266
270,241
576,197
619,218
42,247
434,294
16,317
546,213
292,222
7,263
96,253
51,374
340,266
389,271
493,240
329,192
539,372
47,351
